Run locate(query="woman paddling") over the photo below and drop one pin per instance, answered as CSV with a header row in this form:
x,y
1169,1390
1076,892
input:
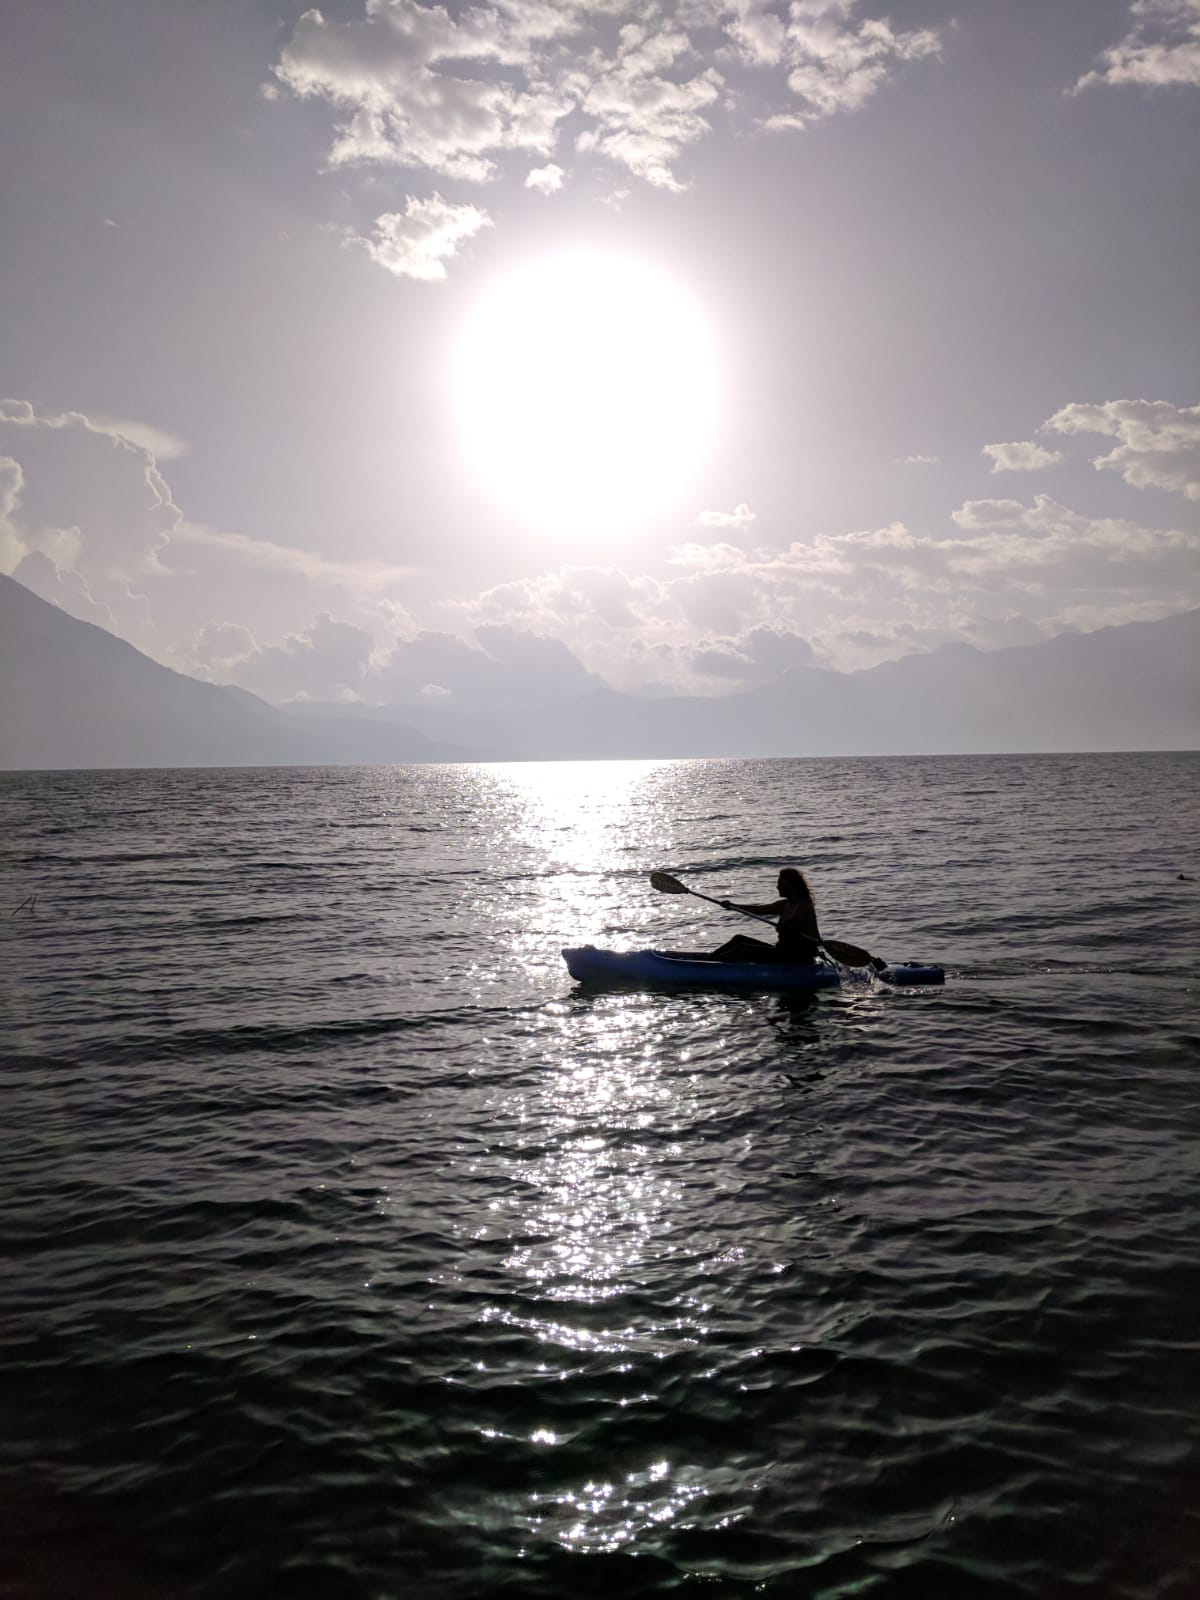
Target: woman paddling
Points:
x,y
798,939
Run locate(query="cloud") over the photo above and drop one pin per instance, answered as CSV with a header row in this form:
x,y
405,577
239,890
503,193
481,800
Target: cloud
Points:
x,y
1161,48
12,544
740,518
92,501
417,242
63,588
1158,443
324,662
916,461
643,118
1006,572
1021,456
218,645
570,598
335,659
836,65
364,578
163,446
456,92
136,537
756,655
507,666
420,88
546,180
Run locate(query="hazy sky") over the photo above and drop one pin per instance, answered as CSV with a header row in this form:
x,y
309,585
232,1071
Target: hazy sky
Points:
x,y
462,351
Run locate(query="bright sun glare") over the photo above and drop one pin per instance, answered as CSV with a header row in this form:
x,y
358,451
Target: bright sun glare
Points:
x,y
586,387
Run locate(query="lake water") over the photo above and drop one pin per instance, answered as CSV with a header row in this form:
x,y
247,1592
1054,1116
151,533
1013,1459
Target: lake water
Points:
x,y
349,1250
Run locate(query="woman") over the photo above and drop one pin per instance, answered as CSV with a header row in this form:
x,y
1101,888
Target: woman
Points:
x,y
798,939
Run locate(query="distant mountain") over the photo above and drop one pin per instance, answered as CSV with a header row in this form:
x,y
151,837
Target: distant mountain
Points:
x,y
72,695
1133,687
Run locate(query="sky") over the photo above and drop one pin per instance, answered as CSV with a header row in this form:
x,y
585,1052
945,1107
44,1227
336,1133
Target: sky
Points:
x,y
472,354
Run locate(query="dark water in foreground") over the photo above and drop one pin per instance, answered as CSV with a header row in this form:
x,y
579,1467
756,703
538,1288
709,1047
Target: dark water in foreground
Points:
x,y
349,1251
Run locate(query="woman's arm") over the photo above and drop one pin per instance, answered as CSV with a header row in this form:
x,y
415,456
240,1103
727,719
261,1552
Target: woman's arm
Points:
x,y
773,910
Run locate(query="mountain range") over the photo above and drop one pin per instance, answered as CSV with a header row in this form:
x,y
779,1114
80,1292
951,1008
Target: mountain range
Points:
x,y
74,695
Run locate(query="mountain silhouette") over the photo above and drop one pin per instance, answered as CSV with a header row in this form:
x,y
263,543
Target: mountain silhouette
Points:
x,y
73,695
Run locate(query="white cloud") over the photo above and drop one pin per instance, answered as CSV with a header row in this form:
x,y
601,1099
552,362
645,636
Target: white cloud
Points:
x,y
754,656
12,544
1161,48
364,578
134,539
570,598
323,662
835,64
94,503
643,119
64,588
916,461
161,444
504,666
417,242
457,91
740,518
546,180
217,645
1021,455
1158,443
391,75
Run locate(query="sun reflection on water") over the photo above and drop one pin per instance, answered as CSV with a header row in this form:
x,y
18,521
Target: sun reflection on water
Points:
x,y
581,833
589,1214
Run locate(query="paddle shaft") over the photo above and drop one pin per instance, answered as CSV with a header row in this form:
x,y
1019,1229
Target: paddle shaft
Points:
x,y
731,907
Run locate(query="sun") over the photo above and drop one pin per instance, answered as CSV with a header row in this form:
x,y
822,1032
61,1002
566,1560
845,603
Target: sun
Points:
x,y
585,386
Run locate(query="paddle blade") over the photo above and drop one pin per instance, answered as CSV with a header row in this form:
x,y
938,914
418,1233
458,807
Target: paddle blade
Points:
x,y
666,884
852,955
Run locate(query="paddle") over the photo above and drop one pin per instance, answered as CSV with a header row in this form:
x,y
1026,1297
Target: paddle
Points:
x,y
850,955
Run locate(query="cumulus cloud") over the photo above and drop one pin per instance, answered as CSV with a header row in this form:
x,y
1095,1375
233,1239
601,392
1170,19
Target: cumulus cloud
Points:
x,y
740,518
643,118
418,87
12,481
161,444
501,665
1161,48
1158,444
546,180
756,655
324,662
418,241
84,465
93,502
836,64
1022,455
457,91
217,646
571,597
63,588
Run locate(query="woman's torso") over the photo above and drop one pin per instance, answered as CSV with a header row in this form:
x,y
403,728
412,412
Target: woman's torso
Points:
x,y
797,926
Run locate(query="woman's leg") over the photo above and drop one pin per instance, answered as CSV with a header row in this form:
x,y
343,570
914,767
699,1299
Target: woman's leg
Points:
x,y
740,948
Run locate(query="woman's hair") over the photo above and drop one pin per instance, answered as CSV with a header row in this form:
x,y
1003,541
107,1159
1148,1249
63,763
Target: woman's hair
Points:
x,y
791,880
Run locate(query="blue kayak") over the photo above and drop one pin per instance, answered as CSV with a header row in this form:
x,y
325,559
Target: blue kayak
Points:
x,y
590,965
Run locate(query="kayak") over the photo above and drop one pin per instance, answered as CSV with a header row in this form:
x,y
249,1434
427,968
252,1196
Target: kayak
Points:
x,y
587,964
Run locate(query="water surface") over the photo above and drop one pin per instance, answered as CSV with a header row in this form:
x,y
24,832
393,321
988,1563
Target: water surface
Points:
x,y
350,1249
